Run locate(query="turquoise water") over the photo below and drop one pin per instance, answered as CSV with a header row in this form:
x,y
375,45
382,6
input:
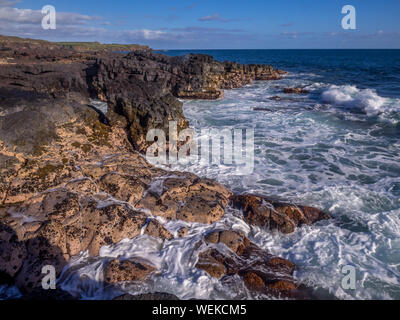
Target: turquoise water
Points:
x,y
336,148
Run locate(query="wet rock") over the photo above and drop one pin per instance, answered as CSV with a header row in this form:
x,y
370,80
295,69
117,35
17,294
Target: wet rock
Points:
x,y
48,295
201,77
188,198
156,229
65,201
262,109
296,90
6,279
140,86
282,286
209,262
253,282
127,271
182,232
228,253
9,166
12,251
56,236
105,226
71,182
269,214
233,240
276,98
148,297
124,187
41,252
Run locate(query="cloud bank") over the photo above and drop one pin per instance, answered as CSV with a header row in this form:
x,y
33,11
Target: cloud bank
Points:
x,y
79,27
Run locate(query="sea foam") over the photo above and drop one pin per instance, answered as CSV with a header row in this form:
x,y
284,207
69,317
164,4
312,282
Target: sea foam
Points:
x,y
366,100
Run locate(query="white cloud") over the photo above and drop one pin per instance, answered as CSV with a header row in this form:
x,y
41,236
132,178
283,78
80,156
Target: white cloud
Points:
x,y
295,35
79,27
8,3
213,17
216,17
145,34
28,16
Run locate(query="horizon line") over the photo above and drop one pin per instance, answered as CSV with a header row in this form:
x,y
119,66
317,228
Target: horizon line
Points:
x,y
279,49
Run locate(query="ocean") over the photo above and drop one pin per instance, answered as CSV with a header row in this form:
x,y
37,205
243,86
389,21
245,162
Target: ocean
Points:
x,y
336,148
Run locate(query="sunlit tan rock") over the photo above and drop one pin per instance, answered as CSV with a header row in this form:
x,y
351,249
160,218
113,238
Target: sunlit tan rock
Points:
x,y
127,271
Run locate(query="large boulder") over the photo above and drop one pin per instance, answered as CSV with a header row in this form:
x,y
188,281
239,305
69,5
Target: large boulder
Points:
x,y
269,214
118,271
227,253
188,198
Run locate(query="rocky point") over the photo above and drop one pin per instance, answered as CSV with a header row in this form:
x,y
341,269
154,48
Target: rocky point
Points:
x,y
72,178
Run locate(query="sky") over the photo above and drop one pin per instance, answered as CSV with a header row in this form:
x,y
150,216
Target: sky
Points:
x,y
209,24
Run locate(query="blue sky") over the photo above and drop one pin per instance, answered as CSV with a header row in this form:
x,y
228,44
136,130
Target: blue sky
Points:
x,y
217,24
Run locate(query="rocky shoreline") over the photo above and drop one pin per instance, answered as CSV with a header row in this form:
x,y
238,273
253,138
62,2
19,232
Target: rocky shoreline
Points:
x,y
74,179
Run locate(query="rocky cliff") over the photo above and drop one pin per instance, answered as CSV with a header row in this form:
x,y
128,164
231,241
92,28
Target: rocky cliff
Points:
x,y
73,180
141,86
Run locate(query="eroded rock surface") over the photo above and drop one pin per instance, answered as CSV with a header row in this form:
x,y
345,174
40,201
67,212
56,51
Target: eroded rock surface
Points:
x,y
296,90
229,253
269,214
127,271
141,86
55,207
72,178
85,189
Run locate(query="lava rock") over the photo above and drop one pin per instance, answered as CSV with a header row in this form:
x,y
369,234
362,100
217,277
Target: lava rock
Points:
x,y
269,214
127,271
296,90
228,253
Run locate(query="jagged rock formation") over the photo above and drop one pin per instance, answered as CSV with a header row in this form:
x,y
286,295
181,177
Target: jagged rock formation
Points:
x,y
141,86
296,90
127,271
71,198
71,178
270,214
229,253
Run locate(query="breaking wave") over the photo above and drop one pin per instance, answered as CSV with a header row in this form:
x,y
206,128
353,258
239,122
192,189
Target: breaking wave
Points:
x,y
366,100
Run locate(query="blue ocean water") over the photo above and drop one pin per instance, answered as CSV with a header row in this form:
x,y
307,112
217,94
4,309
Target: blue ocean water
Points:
x,y
337,148
378,69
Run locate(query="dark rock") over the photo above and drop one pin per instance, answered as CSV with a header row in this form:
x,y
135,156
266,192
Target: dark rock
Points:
x,y
148,296
70,182
296,90
269,214
260,271
182,232
141,86
12,251
48,295
276,98
127,271
262,109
